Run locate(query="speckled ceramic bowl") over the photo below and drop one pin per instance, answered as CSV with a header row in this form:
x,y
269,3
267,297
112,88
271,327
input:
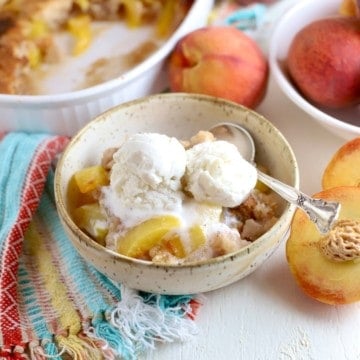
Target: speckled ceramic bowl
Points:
x,y
179,115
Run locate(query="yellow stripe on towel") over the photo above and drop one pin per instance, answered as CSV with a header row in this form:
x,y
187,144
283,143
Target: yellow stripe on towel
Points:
x,y
68,317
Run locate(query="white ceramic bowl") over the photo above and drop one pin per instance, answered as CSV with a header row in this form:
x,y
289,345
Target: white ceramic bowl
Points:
x,y
66,113
345,122
179,115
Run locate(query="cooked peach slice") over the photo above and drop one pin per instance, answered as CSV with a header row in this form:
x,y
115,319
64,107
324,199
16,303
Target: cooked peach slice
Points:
x,y
140,239
183,243
197,238
83,185
343,168
80,28
77,198
90,178
91,219
327,267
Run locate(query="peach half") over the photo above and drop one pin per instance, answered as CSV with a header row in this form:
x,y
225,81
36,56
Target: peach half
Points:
x,y
327,267
221,61
343,168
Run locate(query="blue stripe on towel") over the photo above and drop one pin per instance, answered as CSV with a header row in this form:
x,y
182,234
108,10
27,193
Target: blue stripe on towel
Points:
x,y
16,153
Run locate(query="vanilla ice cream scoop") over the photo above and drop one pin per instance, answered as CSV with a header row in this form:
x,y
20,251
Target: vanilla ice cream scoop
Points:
x,y
145,177
217,173
155,159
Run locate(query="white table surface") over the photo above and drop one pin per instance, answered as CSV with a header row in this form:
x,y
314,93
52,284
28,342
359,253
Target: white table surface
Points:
x,y
266,316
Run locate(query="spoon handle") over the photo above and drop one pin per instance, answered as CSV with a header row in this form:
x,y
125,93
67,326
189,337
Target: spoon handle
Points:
x,y
322,213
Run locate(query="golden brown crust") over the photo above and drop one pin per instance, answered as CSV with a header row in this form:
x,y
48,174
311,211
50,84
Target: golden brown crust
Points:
x,y
13,63
20,48
104,10
53,13
17,46
11,71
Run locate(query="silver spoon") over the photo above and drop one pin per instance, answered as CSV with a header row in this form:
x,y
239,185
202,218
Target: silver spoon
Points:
x,y
322,213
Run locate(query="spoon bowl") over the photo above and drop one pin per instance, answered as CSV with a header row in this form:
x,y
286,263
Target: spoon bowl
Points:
x,y
238,136
322,213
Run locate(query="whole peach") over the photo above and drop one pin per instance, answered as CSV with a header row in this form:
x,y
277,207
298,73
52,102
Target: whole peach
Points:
x,y
324,62
221,61
343,168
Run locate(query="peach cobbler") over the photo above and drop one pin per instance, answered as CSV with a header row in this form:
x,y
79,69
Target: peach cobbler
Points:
x,y
28,29
167,201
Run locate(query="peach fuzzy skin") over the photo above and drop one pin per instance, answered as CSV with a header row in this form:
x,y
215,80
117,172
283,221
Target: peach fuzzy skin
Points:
x,y
319,277
344,167
324,63
220,61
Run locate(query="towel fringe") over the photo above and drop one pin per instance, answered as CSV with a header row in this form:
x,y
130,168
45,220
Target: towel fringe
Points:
x,y
16,352
111,339
49,350
141,325
132,327
80,347
77,348
108,353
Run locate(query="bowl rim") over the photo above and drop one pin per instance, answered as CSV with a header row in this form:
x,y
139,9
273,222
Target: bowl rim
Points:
x,y
288,211
284,82
110,85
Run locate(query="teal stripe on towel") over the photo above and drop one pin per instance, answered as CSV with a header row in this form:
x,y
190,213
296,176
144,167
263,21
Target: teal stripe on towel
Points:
x,y
16,153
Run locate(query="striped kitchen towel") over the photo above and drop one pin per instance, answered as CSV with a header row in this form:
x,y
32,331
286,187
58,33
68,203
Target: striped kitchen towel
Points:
x,y
54,305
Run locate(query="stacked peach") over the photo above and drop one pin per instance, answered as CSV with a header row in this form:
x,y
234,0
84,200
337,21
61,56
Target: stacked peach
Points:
x,y
327,267
323,59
